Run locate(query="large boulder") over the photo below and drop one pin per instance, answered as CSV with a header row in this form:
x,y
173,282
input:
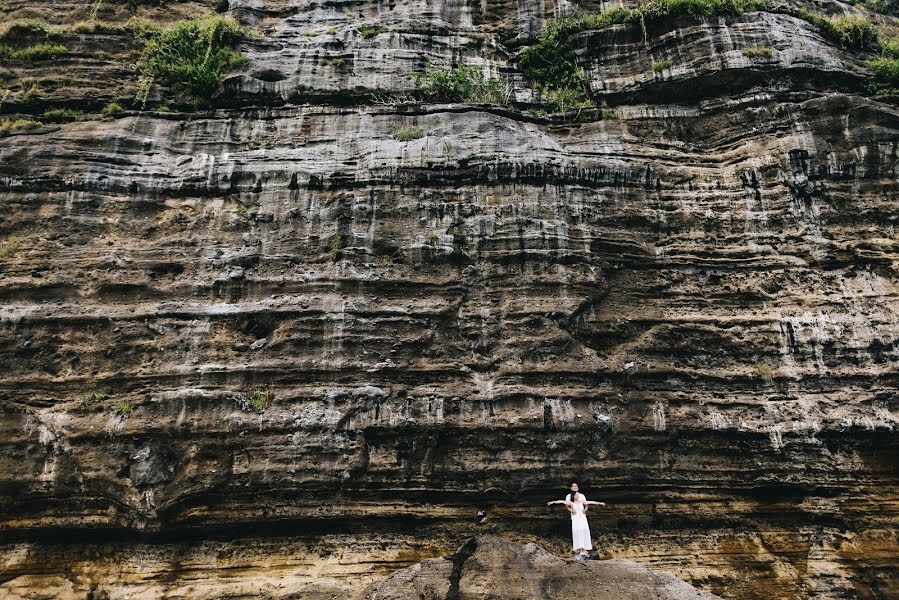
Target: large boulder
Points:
x,y
490,567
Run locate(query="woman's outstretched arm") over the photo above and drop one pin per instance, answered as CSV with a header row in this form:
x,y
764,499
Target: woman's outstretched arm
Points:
x,y
592,503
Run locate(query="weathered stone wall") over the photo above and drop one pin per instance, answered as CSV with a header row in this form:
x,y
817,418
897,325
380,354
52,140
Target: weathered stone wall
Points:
x,y
689,305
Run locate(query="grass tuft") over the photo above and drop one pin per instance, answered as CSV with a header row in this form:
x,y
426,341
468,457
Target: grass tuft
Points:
x,y
407,134
758,52
112,109
257,400
63,114
661,65
8,126
92,397
42,51
370,31
9,250
123,408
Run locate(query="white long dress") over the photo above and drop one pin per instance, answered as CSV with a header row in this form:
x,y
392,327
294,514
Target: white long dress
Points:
x,y
580,530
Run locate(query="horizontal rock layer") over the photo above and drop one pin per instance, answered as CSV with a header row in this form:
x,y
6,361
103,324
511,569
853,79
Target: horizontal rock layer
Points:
x,y
689,307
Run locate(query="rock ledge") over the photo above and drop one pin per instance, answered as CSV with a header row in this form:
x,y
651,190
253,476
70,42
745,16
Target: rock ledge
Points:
x,y
489,566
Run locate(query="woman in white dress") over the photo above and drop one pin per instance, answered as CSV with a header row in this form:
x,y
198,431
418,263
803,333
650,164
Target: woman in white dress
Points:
x,y
577,504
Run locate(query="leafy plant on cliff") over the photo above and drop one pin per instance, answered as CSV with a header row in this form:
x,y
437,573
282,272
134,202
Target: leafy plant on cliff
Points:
x,y
193,55
853,32
370,31
123,408
661,65
92,397
256,401
886,70
461,84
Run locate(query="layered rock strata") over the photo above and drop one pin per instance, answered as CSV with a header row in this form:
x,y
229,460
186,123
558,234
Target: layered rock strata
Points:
x,y
265,347
491,567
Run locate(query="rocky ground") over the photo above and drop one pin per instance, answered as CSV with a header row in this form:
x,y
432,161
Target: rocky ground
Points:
x,y
260,346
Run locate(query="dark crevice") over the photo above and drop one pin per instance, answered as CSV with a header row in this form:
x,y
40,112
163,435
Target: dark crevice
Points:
x,y
459,559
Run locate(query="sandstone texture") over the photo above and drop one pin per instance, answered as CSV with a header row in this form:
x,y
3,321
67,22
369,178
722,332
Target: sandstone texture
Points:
x,y
491,567
260,347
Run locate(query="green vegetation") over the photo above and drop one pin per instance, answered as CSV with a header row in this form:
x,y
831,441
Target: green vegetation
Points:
x,y
32,91
8,126
63,114
123,408
23,29
758,52
370,31
193,55
551,63
853,32
92,397
335,62
461,84
407,134
661,65
9,250
886,70
44,50
886,66
335,247
256,401
112,109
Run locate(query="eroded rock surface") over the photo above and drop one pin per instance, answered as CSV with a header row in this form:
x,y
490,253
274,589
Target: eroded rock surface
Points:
x,y
264,347
489,567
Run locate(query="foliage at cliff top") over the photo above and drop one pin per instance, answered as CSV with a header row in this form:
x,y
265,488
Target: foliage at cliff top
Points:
x,y
194,55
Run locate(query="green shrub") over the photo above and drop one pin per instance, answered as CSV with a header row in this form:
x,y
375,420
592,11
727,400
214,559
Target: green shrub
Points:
x,y
63,114
370,31
112,109
564,99
853,32
889,46
256,401
460,84
92,397
407,134
758,52
123,408
886,73
40,51
11,125
194,55
661,65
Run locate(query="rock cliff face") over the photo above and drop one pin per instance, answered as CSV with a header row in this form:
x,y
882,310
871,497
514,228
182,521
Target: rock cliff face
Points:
x,y
262,347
